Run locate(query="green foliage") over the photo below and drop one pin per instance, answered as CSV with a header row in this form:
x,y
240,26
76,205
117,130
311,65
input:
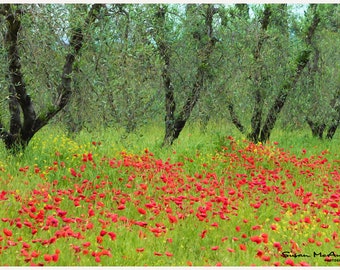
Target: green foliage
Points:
x,y
117,80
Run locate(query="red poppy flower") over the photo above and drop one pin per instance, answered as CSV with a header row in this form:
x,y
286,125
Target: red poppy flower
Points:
x,y
265,258
55,257
7,232
34,254
121,207
243,247
203,233
99,239
102,233
334,205
172,218
142,211
256,239
47,257
168,254
73,172
112,235
289,262
259,253
278,246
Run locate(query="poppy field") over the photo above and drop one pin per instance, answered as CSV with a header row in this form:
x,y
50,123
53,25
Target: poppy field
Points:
x,y
239,204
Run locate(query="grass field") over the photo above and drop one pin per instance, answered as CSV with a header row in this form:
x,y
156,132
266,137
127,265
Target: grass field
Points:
x,y
109,199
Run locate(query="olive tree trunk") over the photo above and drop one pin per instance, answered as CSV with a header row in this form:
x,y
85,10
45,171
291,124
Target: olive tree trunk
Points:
x,y
24,121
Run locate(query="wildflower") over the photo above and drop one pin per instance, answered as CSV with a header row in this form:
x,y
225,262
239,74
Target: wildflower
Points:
x,y
47,257
256,227
259,253
311,240
102,233
265,258
256,239
168,254
73,172
203,233
334,205
289,262
172,218
99,239
34,254
121,207
7,232
278,246
55,257
25,245
243,247
112,235
142,211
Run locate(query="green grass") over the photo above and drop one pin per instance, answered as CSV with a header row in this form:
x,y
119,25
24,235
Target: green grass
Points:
x,y
223,195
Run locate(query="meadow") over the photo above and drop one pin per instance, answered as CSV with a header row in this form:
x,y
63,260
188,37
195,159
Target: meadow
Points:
x,y
104,198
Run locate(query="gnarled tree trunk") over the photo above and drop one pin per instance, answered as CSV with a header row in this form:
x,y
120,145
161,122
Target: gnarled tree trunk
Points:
x,y
174,125
24,122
